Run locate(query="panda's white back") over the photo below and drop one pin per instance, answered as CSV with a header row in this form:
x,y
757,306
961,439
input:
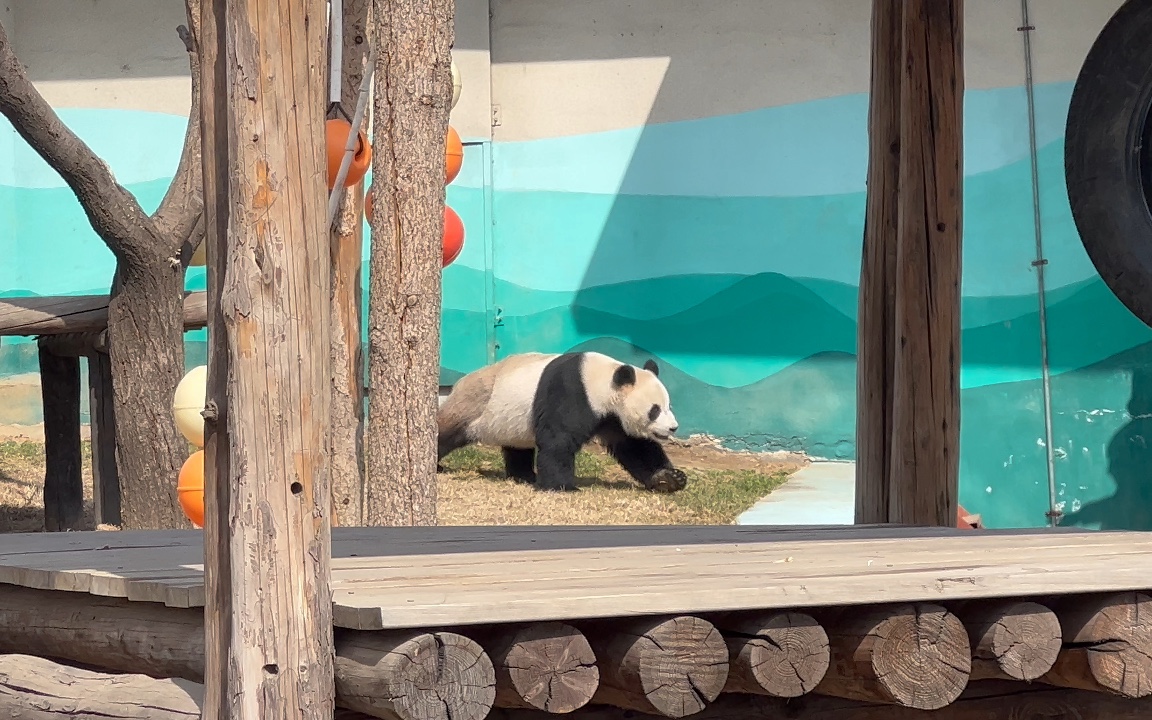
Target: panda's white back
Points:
x,y
507,418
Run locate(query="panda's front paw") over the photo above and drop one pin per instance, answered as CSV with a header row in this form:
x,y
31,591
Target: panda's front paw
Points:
x,y
667,480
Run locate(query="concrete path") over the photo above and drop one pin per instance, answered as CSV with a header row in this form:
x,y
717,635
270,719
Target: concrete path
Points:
x,y
823,493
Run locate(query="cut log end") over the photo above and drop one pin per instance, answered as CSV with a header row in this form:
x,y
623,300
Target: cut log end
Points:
x,y
672,667
1011,640
782,654
415,676
546,666
914,655
1108,645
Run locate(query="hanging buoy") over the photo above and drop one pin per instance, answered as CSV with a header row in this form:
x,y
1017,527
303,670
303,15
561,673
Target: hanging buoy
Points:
x,y
453,155
188,401
190,488
337,130
455,85
453,236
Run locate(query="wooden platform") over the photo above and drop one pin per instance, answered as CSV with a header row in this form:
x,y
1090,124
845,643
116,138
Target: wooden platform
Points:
x,y
388,578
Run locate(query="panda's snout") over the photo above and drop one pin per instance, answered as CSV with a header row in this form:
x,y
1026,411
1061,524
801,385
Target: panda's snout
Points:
x,y
673,429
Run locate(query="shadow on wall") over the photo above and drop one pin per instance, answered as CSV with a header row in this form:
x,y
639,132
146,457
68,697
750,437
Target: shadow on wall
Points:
x,y
1129,455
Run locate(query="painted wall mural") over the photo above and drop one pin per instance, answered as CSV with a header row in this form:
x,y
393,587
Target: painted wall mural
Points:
x,y
735,263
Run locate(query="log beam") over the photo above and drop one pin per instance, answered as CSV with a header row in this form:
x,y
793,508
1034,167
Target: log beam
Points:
x,y
414,675
101,411
913,655
547,666
782,654
1107,644
398,676
33,688
984,700
672,667
1010,639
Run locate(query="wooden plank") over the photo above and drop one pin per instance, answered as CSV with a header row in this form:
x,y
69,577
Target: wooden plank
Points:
x,y
267,532
105,477
411,586
55,315
63,482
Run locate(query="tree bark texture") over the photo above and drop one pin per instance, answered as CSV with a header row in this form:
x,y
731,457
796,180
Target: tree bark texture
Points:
x,y
908,410
347,244
924,484
268,636
413,95
145,327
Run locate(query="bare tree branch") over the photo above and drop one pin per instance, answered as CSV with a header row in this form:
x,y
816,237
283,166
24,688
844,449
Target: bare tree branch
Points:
x,y
179,213
112,210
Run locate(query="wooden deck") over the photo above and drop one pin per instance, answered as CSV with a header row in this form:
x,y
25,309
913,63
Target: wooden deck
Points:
x,y
390,578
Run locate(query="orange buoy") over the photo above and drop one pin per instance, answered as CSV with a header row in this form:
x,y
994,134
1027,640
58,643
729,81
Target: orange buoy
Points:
x,y
190,488
337,130
453,236
453,155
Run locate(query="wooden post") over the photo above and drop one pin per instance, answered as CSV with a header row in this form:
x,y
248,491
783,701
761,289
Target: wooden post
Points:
x,y
908,376
347,247
875,336
268,611
105,478
63,483
412,98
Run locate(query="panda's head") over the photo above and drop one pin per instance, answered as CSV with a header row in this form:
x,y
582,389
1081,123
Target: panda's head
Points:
x,y
644,408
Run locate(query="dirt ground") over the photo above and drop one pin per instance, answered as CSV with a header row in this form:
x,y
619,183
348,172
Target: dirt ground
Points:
x,y
473,491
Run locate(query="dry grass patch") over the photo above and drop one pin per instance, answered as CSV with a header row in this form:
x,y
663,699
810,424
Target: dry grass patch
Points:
x,y
474,491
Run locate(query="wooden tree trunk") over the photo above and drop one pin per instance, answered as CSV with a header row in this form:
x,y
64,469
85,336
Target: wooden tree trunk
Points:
x,y
146,355
347,245
875,337
413,95
268,637
923,489
908,376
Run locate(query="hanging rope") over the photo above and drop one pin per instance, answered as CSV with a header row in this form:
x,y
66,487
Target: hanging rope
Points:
x,y
353,135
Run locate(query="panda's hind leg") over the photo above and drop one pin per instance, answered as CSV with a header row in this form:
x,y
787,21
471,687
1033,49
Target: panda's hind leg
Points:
x,y
645,460
519,464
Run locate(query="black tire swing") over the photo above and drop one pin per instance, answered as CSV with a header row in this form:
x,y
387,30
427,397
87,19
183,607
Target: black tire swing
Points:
x,y
1108,156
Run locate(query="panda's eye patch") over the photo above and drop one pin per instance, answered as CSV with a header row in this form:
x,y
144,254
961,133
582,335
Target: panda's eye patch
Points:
x,y
654,413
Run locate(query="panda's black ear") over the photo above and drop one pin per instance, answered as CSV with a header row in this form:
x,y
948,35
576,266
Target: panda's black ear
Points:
x,y
650,366
624,375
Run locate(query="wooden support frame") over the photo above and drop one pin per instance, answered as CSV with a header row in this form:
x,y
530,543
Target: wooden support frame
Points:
x,y
267,535
908,409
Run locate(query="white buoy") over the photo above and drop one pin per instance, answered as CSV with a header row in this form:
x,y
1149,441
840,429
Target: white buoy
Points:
x,y
188,401
455,84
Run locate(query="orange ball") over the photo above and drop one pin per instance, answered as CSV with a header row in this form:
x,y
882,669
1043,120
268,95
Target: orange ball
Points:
x,y
453,236
337,130
453,155
190,488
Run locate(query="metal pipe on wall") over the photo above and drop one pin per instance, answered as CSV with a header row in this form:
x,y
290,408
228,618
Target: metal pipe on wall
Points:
x,y
1040,263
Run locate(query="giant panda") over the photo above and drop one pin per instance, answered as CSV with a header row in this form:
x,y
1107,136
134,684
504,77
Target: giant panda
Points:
x,y
540,409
